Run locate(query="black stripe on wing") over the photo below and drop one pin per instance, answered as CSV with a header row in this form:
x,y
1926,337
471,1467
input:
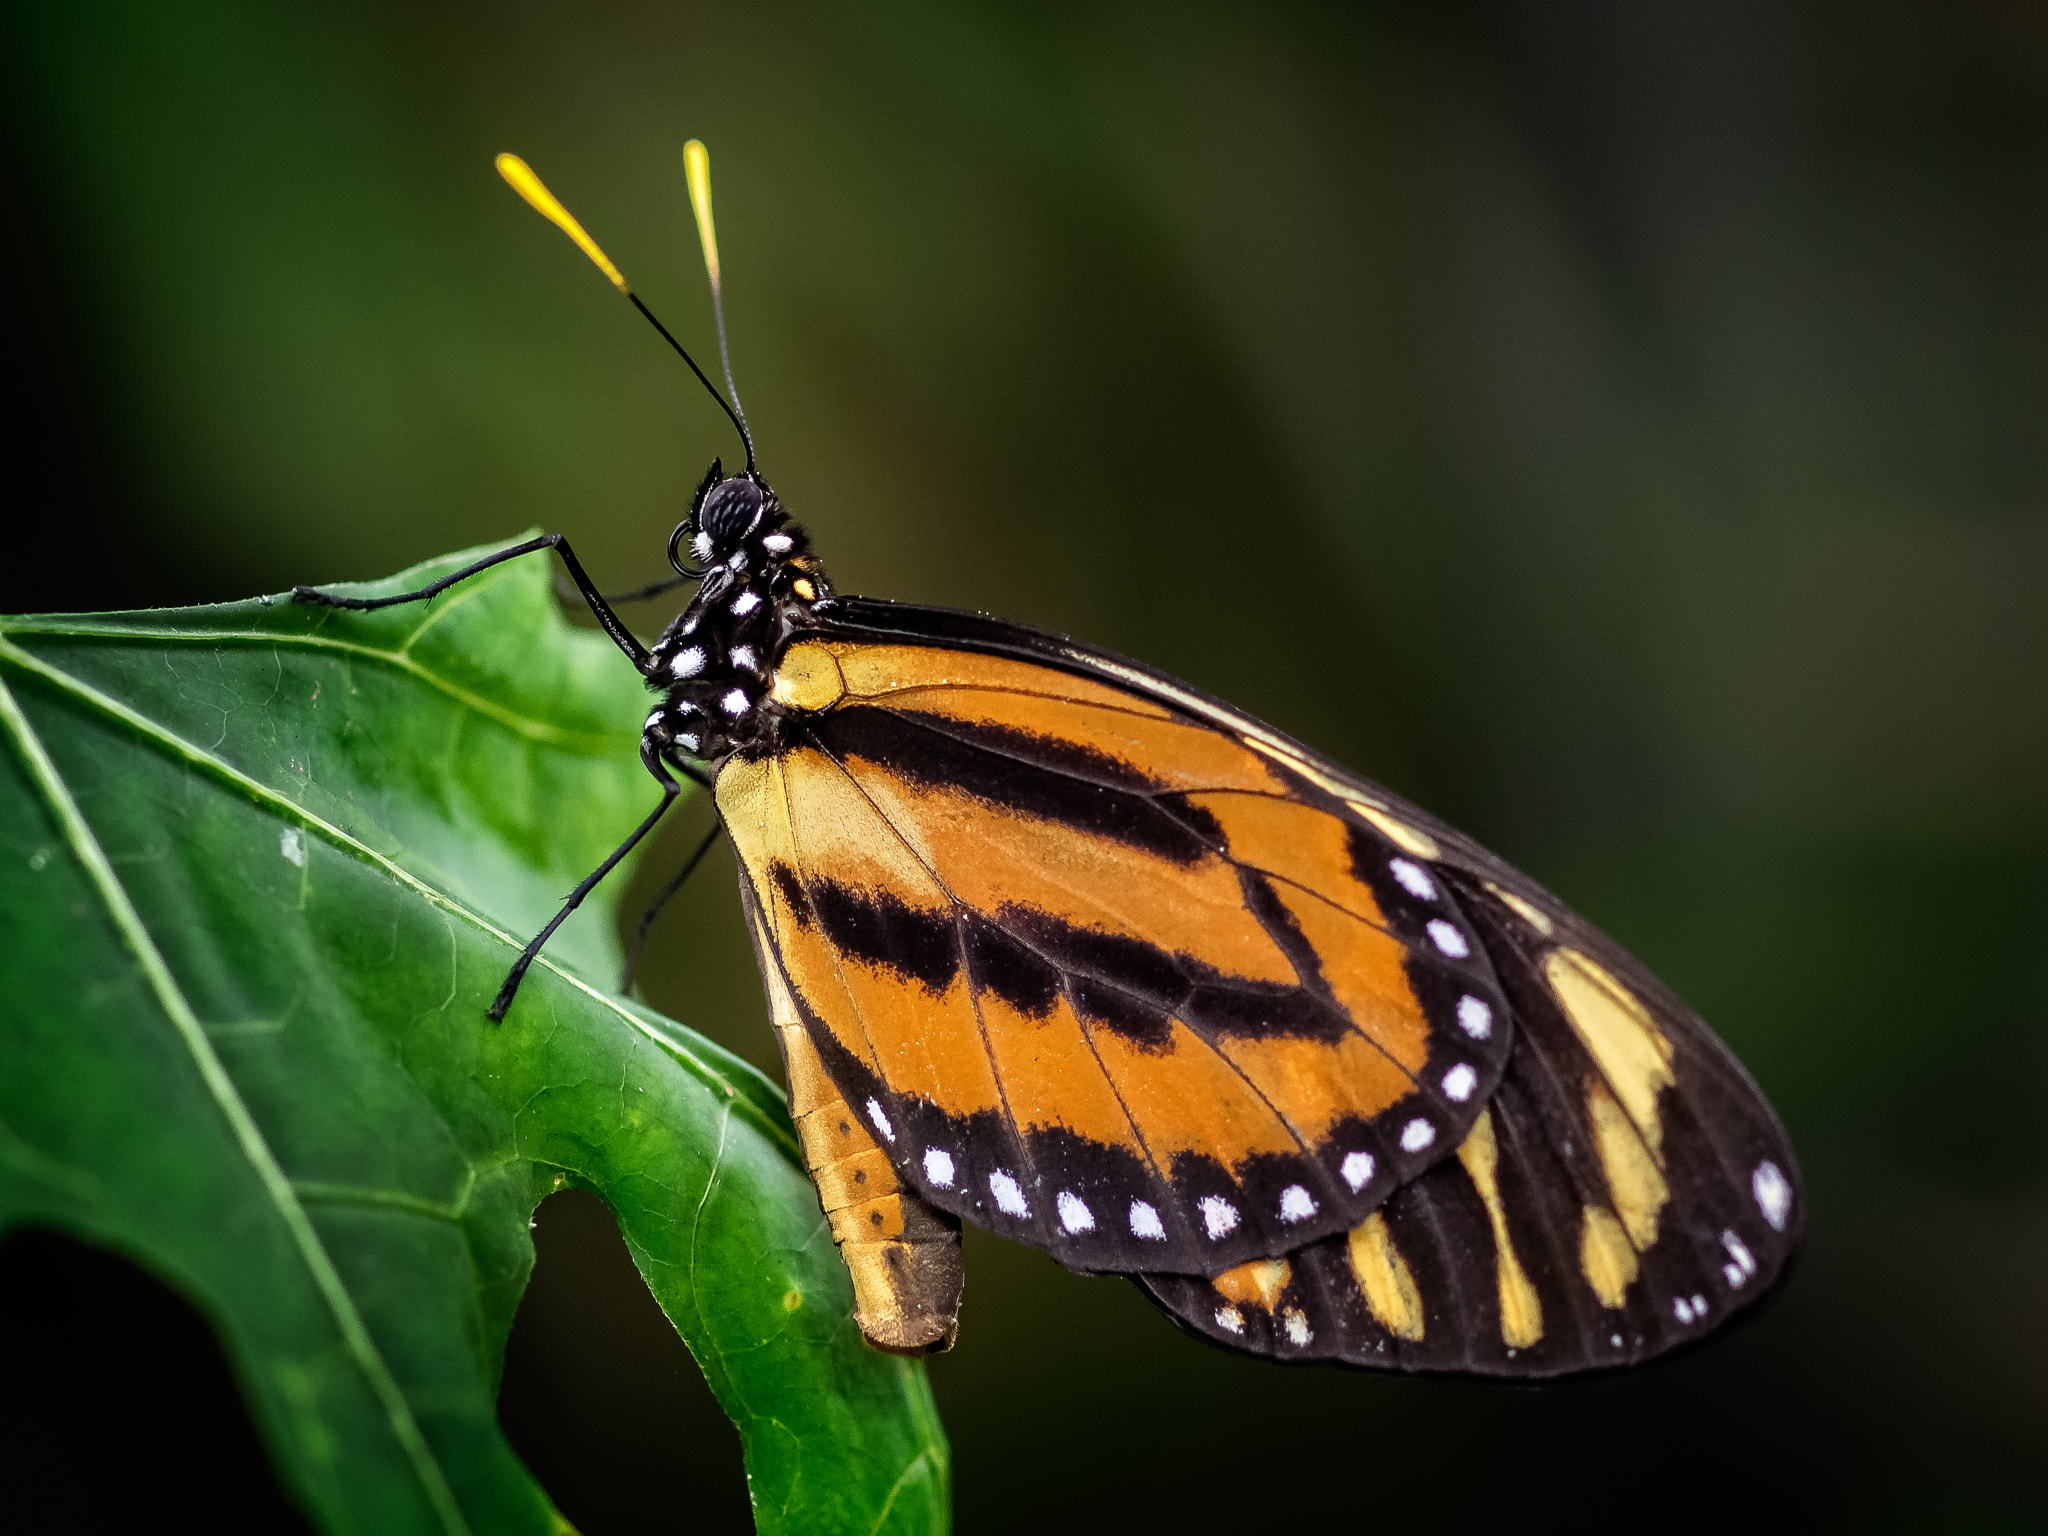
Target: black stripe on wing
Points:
x,y
1580,1241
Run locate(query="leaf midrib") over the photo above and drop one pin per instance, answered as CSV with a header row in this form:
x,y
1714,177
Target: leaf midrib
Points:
x,y
581,743
165,740
85,847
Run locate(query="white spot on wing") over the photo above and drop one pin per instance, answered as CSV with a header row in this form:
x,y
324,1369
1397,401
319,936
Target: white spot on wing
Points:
x,y
1009,1198
1145,1223
1218,1215
1231,1318
687,663
1296,1203
747,601
1448,939
1295,1326
1681,1309
292,846
1475,1018
1773,1194
1459,1083
1357,1168
1744,1262
881,1120
1414,879
1074,1213
938,1166
1416,1135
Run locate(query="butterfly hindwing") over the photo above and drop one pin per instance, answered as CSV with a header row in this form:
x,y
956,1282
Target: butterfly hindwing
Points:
x,y
1627,1192
1104,975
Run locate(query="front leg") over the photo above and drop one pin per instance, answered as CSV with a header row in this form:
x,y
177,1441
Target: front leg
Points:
x,y
614,626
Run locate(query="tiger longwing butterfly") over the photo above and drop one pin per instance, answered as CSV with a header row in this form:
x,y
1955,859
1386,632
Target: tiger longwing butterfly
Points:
x,y
1058,945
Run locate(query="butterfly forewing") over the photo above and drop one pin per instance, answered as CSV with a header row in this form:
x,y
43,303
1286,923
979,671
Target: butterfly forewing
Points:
x,y
1627,1191
1104,975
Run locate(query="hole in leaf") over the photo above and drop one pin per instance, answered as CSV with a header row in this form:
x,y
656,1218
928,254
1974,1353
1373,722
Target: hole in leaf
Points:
x,y
602,1400
118,1410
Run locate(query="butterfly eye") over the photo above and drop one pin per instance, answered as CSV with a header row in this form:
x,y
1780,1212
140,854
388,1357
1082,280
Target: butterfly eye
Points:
x,y
730,511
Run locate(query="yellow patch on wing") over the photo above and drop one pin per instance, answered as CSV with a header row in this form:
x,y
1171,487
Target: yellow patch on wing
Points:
x,y
1606,1257
1631,1052
1384,1279
989,858
1186,1098
1521,1312
1257,1284
1527,911
876,671
1412,839
1635,1175
1173,753
807,677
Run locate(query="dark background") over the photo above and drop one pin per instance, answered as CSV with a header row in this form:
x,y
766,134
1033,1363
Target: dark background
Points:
x,y
1621,428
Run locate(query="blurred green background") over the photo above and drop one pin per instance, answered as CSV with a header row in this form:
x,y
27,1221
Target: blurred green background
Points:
x,y
1621,428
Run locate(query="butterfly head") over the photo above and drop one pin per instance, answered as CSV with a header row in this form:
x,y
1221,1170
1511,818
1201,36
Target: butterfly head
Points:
x,y
715,662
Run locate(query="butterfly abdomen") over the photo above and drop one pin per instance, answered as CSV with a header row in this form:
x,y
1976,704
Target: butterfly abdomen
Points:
x,y
902,1254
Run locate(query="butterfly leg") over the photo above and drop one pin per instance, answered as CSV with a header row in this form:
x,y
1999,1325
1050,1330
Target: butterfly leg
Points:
x,y
614,626
669,790
654,911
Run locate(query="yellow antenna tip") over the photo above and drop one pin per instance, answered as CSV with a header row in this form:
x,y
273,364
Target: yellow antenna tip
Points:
x,y
519,176
697,169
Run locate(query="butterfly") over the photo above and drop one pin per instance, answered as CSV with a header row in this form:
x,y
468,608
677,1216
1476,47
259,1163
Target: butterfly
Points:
x,y
1059,945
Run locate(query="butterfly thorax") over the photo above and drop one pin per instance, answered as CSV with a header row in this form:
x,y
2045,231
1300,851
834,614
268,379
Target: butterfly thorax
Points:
x,y
715,661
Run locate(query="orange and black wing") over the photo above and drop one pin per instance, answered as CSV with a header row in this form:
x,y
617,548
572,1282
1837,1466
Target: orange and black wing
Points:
x,y
1102,962
1627,1191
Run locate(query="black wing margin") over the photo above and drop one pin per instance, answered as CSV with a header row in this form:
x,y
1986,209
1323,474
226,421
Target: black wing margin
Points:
x,y
1628,1192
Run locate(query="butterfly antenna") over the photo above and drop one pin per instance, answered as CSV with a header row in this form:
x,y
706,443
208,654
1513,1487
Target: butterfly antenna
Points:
x,y
519,176
697,170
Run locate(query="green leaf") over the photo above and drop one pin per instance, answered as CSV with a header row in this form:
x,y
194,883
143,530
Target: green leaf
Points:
x,y
262,867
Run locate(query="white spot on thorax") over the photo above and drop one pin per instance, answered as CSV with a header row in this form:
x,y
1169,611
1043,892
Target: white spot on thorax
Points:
x,y
1145,1223
747,601
1459,1083
742,656
1416,1135
938,1166
778,543
1009,1197
1231,1318
1475,1018
1773,1194
1296,1203
881,1120
1448,939
687,663
700,544
1218,1215
1295,1326
1074,1213
734,703
688,741
1414,880
292,846
1357,1168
